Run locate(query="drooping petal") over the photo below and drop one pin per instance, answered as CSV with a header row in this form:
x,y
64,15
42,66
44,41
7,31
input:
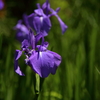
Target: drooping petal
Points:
x,y
17,69
62,24
41,63
18,53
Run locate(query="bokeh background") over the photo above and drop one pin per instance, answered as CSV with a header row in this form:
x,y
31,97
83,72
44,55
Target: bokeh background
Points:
x,y
78,76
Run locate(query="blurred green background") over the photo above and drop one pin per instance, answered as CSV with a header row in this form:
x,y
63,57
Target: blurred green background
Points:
x,y
78,76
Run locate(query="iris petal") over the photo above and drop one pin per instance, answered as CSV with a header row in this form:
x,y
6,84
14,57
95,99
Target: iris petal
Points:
x,y
46,7
41,63
32,39
35,22
39,22
45,62
18,53
17,69
46,24
62,24
22,31
31,19
57,61
25,44
39,12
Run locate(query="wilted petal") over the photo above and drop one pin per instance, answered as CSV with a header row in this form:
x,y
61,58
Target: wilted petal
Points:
x,y
41,63
18,53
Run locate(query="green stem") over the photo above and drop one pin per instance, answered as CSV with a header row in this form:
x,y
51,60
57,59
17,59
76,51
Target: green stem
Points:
x,y
37,86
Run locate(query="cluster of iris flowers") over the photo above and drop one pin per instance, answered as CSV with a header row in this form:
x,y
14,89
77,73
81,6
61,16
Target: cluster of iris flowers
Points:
x,y
30,31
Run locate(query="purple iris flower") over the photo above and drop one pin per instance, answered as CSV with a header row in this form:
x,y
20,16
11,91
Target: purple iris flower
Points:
x,y
21,31
1,4
38,57
40,19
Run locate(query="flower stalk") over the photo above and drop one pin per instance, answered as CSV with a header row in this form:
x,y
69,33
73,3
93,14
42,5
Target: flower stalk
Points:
x,y
37,86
